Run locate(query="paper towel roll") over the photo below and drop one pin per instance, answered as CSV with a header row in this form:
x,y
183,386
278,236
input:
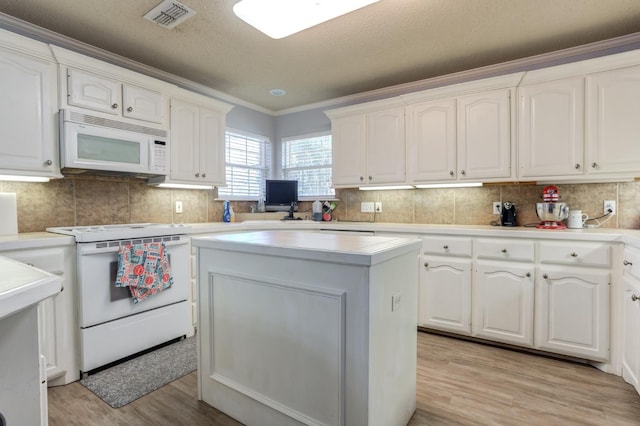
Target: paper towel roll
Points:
x,y
8,214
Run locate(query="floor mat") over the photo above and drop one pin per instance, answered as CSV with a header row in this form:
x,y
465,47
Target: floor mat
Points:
x,y
128,381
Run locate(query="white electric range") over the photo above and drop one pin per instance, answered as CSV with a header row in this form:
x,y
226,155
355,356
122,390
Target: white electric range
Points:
x,y
112,326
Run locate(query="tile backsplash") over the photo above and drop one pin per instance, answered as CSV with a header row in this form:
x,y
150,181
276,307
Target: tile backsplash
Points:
x,y
92,200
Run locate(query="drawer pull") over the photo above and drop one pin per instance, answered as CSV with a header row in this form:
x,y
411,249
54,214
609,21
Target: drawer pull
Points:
x,y
426,264
634,297
114,106
627,263
528,274
574,254
129,109
545,276
577,166
446,247
503,250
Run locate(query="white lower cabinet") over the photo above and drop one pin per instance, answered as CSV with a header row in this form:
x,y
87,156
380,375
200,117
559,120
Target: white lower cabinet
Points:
x,y
572,312
57,315
631,317
550,295
503,302
445,294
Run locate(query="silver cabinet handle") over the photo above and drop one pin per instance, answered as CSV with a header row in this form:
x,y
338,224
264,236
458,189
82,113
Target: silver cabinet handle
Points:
x,y
503,250
463,172
594,164
446,247
370,178
48,162
361,178
627,263
574,254
528,274
577,166
634,297
129,109
204,175
197,175
426,264
545,276
114,106
451,173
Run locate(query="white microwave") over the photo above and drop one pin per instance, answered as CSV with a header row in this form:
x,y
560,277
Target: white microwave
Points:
x,y
94,143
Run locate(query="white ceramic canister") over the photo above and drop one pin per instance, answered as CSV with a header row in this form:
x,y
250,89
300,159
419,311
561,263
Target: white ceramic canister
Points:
x,y
576,219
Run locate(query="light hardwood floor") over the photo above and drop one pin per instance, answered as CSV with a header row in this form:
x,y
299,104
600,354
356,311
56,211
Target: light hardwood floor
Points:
x,y
459,383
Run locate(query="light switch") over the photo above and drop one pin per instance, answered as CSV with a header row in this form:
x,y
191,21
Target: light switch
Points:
x,y
396,300
178,206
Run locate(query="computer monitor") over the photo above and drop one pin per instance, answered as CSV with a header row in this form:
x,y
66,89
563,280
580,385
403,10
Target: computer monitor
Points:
x,y
280,194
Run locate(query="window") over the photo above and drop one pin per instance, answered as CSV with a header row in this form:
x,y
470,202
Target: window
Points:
x,y
307,159
248,160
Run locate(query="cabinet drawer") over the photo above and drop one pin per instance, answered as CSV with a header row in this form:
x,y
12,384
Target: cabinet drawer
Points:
x,y
496,248
573,253
446,245
631,262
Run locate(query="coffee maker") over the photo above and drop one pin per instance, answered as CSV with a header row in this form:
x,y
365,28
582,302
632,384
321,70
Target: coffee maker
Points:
x,y
508,214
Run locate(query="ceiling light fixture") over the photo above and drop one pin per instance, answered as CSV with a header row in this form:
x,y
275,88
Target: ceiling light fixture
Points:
x,y
277,92
281,18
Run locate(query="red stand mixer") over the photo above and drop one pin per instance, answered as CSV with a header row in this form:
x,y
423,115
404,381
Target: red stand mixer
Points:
x,y
551,212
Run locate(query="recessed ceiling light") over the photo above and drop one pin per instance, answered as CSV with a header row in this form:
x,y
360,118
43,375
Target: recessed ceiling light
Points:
x,y
281,18
277,92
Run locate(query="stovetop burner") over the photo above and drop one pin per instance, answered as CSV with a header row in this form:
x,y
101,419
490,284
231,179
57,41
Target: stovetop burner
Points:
x,y
121,231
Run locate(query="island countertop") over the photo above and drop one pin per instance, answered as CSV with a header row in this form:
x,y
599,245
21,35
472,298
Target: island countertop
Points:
x,y
337,248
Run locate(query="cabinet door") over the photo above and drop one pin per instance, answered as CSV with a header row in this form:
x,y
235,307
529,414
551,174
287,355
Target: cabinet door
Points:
x,y
431,141
445,295
572,312
90,91
144,104
385,149
503,302
348,150
484,135
613,124
212,147
551,128
631,346
185,141
27,115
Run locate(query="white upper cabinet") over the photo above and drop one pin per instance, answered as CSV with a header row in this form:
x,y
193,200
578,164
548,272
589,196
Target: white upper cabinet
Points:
x,y
28,145
463,132
386,146
197,141
98,93
431,141
348,147
368,144
613,122
551,128
484,135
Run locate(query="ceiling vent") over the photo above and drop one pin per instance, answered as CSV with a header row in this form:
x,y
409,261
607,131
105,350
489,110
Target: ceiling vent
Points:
x,y
169,13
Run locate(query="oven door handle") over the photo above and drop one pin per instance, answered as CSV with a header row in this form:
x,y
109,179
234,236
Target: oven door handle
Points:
x,y
97,248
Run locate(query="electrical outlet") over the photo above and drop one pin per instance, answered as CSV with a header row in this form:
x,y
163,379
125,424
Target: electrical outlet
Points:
x,y
178,206
609,205
366,207
396,300
378,206
497,207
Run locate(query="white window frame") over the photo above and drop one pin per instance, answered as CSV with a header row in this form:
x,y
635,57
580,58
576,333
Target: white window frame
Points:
x,y
265,169
284,170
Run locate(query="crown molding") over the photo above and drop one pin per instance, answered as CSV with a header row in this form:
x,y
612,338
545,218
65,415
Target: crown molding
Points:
x,y
564,56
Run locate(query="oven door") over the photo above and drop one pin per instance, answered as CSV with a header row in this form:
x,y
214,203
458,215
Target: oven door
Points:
x,y
102,301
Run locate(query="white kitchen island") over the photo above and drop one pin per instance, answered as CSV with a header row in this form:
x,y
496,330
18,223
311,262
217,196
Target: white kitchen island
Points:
x,y
302,327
